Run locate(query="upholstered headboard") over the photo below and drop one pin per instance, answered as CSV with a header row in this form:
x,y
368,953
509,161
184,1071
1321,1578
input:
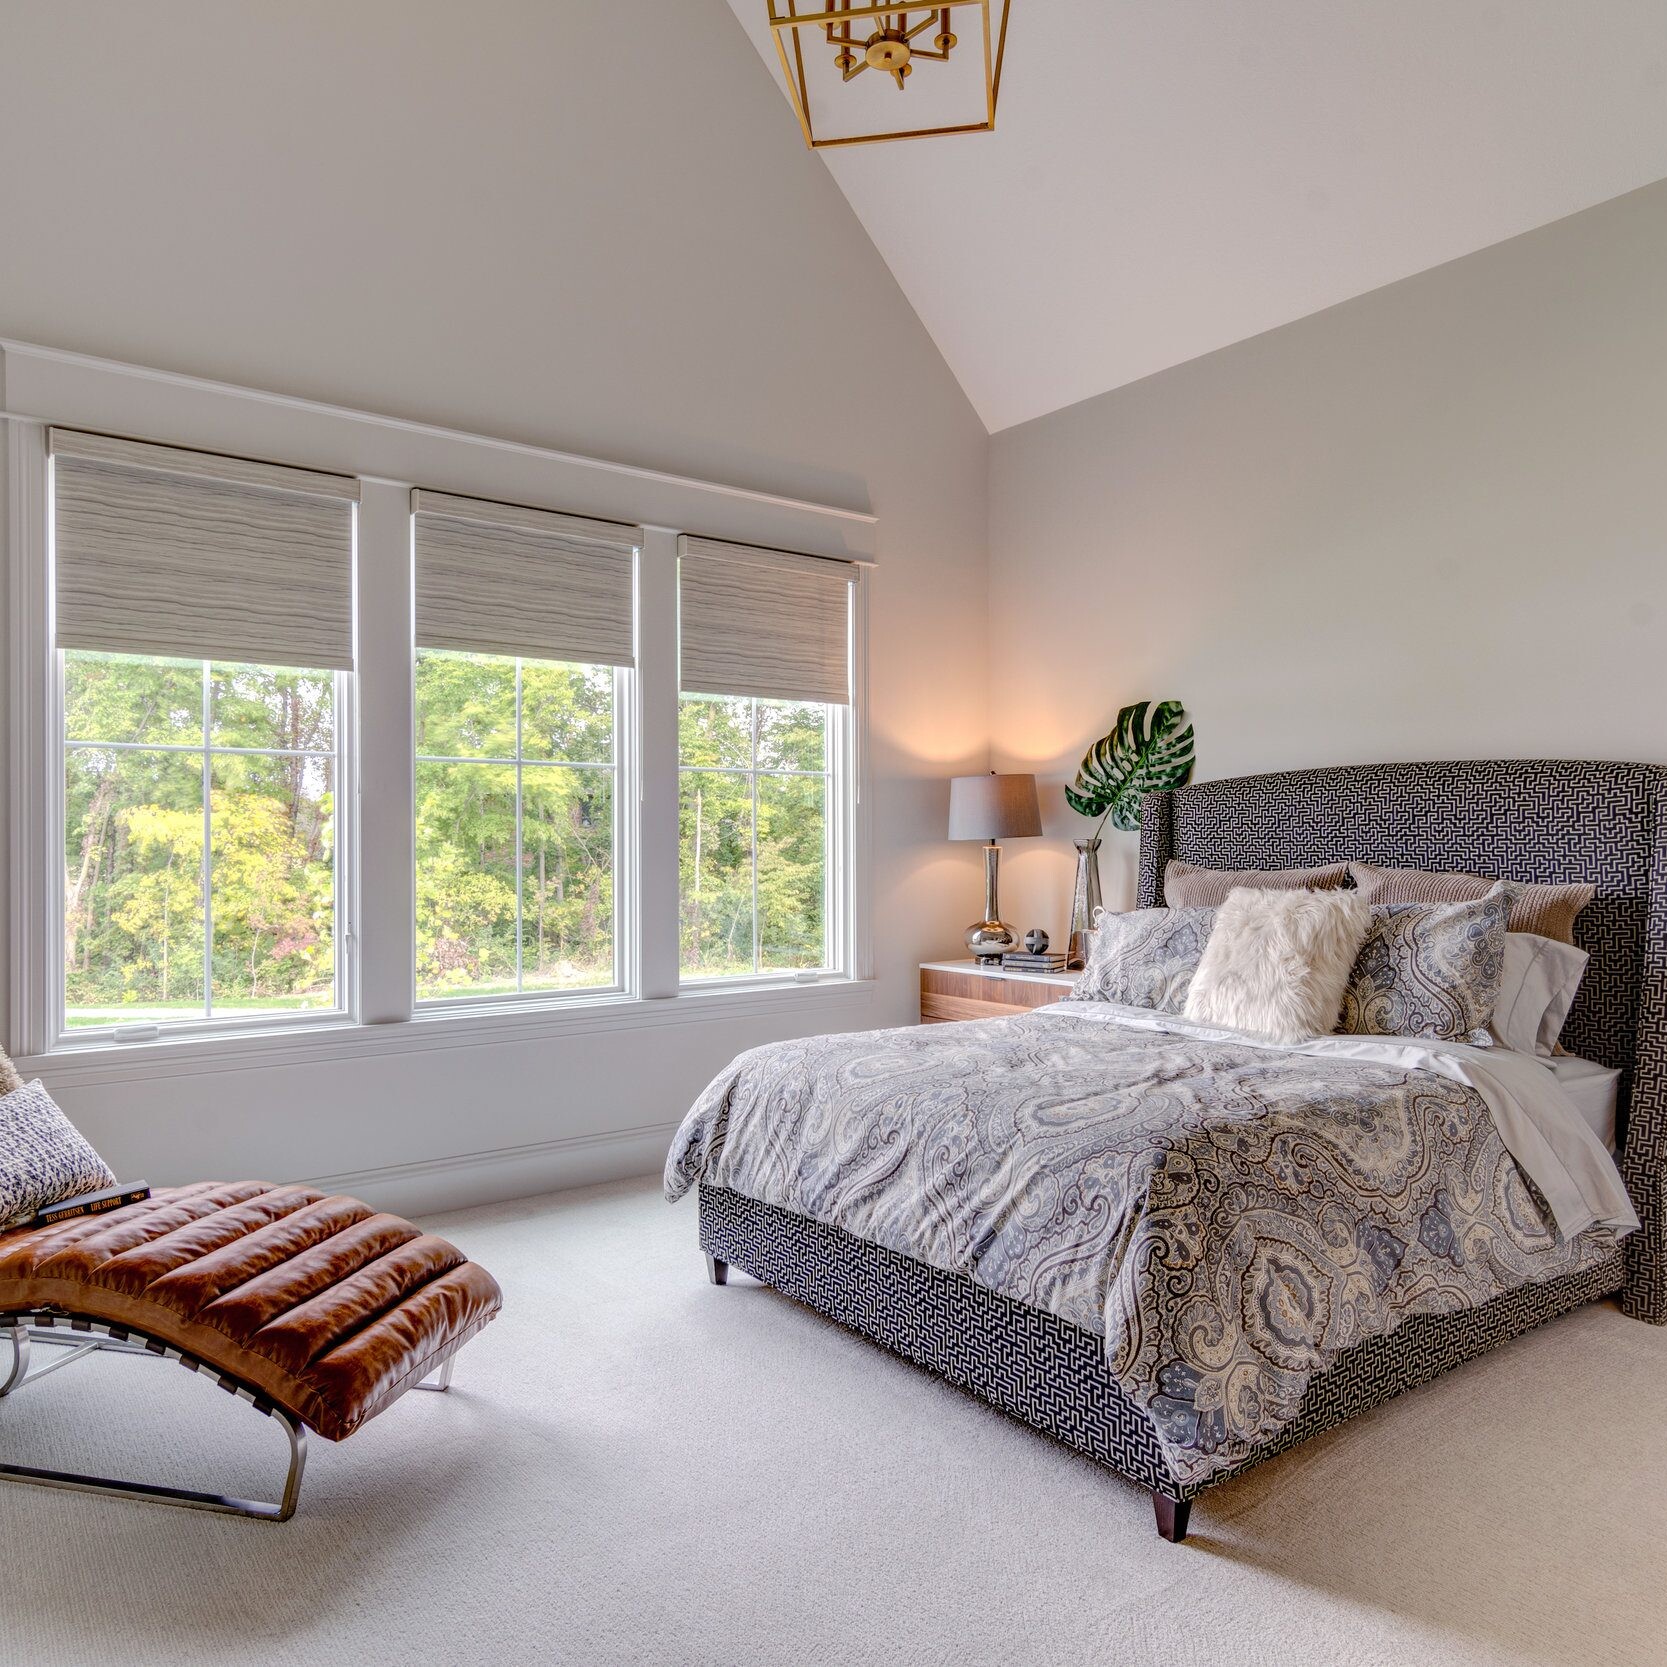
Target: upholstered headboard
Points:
x,y
1517,819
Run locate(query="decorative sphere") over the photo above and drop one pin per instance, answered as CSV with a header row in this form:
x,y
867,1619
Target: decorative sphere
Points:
x,y
1036,940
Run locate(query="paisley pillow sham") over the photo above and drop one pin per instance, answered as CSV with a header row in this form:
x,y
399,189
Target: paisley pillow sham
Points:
x,y
44,1158
1145,958
1430,970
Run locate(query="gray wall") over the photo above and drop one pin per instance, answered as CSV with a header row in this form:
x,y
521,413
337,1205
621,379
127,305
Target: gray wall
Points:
x,y
577,225
1428,523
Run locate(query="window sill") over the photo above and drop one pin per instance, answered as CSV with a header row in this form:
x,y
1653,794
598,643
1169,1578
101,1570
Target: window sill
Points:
x,y
112,1062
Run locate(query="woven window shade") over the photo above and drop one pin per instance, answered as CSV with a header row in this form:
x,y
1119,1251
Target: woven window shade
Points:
x,y
763,622
180,553
499,579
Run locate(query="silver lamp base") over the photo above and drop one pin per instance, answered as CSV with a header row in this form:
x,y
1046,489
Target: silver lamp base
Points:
x,y
990,938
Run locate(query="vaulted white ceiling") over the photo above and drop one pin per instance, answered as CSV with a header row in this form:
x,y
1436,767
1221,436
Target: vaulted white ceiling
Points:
x,y
1170,176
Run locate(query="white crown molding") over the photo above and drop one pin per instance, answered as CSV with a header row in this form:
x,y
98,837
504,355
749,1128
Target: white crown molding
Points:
x,y
52,385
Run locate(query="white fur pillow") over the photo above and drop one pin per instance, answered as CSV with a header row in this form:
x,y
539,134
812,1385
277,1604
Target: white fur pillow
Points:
x,y
1277,962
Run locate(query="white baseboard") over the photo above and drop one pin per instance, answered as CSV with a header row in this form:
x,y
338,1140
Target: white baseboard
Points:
x,y
433,1185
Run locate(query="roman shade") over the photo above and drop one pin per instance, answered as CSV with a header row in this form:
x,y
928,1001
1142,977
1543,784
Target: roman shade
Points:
x,y
157,550
770,623
501,579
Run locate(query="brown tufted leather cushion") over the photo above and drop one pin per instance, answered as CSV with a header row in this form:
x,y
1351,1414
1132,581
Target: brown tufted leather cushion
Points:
x,y
326,1306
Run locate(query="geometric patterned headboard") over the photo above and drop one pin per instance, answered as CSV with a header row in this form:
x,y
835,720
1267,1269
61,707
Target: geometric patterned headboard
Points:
x,y
1510,819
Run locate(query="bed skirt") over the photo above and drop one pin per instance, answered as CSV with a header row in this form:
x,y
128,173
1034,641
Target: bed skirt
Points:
x,y
1053,1375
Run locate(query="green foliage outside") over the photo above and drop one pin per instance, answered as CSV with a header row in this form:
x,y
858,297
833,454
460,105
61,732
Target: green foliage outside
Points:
x,y
133,849
557,722
737,795
754,782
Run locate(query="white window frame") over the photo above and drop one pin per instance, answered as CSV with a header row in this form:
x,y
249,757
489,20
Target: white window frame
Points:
x,y
41,387
625,797
346,851
837,843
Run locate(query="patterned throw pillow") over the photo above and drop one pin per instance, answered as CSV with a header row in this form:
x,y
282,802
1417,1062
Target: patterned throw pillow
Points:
x,y
44,1158
1145,958
1430,969
1546,910
1186,886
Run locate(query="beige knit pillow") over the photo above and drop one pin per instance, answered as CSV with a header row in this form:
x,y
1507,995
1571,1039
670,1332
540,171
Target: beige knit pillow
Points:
x,y
10,1081
1277,962
1188,887
1546,910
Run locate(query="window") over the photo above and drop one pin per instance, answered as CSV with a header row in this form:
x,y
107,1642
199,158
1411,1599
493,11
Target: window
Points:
x,y
204,637
297,751
516,825
762,763
525,643
199,848
756,835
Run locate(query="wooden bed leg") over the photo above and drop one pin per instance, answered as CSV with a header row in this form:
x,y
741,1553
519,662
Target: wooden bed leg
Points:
x,y
1172,1517
716,1271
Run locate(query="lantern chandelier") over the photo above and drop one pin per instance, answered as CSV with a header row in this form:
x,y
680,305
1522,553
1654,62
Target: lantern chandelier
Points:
x,y
844,39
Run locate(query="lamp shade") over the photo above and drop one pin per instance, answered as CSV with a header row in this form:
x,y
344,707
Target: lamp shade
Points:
x,y
993,807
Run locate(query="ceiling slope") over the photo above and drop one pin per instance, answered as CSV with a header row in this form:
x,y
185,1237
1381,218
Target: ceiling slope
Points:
x,y
1166,179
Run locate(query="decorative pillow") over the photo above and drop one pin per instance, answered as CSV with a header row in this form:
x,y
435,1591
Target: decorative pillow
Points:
x,y
1429,970
43,1157
1145,958
1187,887
1547,911
1537,987
9,1079
1277,962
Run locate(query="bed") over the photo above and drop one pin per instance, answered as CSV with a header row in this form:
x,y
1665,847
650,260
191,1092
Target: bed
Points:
x,y
1099,1386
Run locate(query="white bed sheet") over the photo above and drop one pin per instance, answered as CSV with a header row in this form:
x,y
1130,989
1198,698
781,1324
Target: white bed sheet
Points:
x,y
1593,1089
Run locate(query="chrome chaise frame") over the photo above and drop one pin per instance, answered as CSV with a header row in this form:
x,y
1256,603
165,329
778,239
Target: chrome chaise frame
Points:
x,y
88,1336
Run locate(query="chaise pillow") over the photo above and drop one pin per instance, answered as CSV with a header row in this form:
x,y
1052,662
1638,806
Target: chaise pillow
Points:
x,y
1430,970
1189,887
1537,987
1546,910
1277,962
1145,958
44,1158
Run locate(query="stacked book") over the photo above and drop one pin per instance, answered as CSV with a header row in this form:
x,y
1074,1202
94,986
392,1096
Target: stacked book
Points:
x,y
1024,960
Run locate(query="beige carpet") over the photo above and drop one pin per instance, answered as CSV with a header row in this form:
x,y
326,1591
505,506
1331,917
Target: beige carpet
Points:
x,y
638,1467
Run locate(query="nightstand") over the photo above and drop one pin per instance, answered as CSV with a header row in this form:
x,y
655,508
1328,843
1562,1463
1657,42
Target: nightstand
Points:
x,y
951,990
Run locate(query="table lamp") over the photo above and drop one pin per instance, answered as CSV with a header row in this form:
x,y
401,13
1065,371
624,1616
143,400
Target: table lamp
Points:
x,y
992,807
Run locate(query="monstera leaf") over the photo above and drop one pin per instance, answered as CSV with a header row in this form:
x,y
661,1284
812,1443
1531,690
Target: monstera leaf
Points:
x,y
1136,758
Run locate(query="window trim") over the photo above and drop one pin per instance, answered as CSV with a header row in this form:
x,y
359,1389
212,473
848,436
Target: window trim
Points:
x,y
43,387
623,768
838,844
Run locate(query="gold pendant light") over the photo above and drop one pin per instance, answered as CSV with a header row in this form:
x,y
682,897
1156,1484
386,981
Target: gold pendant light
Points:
x,y
844,40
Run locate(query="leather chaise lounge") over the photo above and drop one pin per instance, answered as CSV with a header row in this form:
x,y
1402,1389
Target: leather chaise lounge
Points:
x,y
318,1310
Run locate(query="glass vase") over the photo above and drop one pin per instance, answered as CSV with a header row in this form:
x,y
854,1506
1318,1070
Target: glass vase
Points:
x,y
1085,901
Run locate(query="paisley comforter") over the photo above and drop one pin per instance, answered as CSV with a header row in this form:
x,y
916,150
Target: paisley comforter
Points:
x,y
1230,1216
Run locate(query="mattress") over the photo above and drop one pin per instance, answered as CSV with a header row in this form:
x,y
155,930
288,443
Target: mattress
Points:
x,y
1594,1089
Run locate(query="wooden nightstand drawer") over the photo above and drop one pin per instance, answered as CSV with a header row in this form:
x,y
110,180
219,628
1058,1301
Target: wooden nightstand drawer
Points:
x,y
952,990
